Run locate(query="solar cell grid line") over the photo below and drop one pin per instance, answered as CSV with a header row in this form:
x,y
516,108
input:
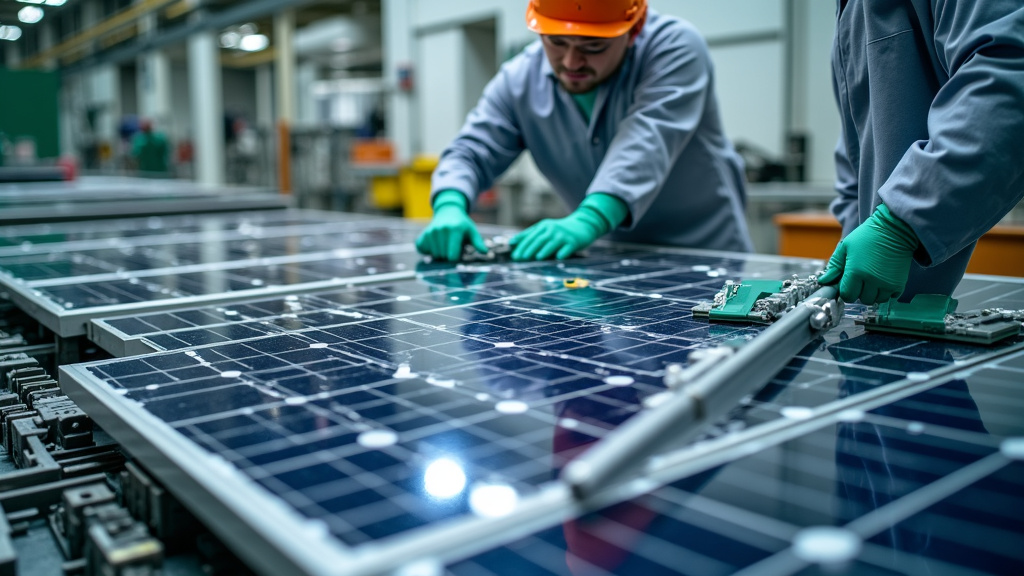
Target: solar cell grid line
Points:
x,y
813,496
423,423
243,356
66,309
488,280
442,376
66,304
341,302
54,265
16,239
210,260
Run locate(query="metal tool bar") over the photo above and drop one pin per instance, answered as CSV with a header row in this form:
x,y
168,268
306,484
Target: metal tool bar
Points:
x,y
710,395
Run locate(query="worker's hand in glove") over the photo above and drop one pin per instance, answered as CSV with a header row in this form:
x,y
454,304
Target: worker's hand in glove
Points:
x,y
561,237
873,262
450,229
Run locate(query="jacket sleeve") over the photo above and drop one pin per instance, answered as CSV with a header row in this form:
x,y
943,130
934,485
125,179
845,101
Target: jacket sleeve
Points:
x,y
846,206
488,143
668,105
957,184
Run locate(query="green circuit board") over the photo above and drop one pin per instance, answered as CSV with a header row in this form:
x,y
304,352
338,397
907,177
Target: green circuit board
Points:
x,y
934,316
757,301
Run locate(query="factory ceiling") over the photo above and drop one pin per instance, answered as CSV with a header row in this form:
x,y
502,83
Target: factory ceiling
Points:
x,y
116,37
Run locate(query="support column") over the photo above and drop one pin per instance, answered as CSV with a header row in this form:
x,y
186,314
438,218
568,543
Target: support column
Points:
x,y
396,24
204,79
154,80
47,40
265,96
12,55
71,114
103,84
306,101
284,62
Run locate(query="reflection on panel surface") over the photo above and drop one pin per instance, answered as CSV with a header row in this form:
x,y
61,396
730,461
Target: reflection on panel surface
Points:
x,y
386,411
68,273
921,485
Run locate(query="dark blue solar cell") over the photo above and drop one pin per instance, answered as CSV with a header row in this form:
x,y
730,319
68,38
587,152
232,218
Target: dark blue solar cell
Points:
x,y
975,529
207,402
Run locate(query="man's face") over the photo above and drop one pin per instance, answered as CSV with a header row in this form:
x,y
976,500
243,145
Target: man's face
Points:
x,y
583,62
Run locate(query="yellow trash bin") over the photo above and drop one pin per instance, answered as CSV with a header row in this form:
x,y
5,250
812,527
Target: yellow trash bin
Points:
x,y
415,184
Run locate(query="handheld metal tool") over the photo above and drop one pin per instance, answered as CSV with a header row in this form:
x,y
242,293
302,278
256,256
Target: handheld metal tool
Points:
x,y
498,250
705,392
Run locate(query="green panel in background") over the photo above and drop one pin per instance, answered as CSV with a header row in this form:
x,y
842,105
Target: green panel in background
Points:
x,y
29,107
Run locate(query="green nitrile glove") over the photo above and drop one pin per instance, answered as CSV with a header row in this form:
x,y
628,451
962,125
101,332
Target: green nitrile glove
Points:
x,y
450,229
561,237
872,263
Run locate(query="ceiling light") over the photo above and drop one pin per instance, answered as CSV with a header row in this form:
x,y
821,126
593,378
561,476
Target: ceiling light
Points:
x,y
247,29
54,2
254,42
30,14
11,33
230,39
32,1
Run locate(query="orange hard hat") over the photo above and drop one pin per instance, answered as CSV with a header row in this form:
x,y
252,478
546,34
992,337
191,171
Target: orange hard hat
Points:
x,y
600,18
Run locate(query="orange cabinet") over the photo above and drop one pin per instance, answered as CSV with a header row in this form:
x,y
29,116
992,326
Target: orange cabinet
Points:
x,y
815,234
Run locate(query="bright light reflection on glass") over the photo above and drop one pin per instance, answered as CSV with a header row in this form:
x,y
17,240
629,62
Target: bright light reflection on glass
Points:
x,y
444,478
492,500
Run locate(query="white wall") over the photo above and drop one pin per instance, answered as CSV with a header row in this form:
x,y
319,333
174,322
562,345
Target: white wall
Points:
x,y
814,107
750,89
726,17
747,44
439,89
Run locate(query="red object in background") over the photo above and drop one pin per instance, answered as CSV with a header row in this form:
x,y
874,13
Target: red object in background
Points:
x,y
405,83
70,166
184,152
487,198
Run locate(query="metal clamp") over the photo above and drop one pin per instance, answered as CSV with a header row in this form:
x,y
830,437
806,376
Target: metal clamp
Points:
x,y
825,313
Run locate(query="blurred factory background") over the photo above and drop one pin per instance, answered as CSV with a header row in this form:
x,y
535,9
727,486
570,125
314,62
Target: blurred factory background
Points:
x,y
346,104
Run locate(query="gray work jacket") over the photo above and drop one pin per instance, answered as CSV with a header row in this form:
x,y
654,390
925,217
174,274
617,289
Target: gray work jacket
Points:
x,y
931,95
654,140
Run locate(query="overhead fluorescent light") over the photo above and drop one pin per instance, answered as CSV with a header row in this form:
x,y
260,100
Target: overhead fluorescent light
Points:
x,y
11,33
254,42
30,14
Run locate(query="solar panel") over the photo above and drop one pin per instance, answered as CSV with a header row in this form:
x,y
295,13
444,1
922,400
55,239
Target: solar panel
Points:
x,y
450,406
24,238
70,273
925,484
107,197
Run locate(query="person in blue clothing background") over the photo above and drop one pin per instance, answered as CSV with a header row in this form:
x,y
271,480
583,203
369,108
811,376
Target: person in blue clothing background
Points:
x,y
931,96
618,108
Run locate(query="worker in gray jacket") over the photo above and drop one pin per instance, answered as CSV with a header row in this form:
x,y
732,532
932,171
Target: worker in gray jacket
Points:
x,y
618,108
931,95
